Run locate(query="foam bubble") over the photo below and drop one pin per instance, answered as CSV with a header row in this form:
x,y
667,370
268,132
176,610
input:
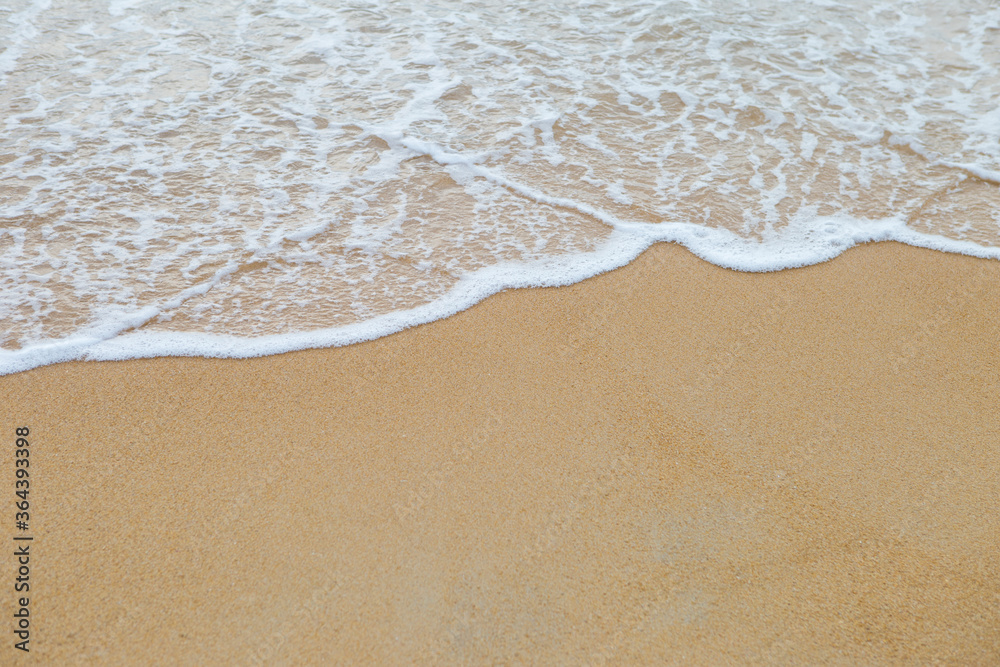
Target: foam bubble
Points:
x,y
245,178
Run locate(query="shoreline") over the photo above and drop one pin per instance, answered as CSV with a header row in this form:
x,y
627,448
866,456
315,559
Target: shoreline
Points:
x,y
670,462
138,342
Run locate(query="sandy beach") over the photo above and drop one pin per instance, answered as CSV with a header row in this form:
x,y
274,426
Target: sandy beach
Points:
x,y
669,463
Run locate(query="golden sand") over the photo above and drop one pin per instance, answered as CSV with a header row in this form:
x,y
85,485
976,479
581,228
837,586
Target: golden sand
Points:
x,y
672,462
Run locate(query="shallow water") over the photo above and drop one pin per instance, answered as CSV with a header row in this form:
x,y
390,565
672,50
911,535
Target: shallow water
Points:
x,y
239,178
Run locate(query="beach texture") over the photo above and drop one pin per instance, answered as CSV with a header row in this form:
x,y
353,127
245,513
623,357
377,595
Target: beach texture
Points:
x,y
669,463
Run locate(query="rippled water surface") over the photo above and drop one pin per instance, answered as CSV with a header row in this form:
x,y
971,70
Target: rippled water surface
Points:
x,y
173,174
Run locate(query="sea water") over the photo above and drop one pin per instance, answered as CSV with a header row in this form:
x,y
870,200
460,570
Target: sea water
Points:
x,y
245,177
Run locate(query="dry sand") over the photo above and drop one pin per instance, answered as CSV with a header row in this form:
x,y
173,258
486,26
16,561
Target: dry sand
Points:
x,y
672,462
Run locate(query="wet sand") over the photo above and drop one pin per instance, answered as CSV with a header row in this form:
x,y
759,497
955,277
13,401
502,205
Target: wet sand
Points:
x,y
671,462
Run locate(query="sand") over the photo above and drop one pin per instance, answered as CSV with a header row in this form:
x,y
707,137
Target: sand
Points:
x,y
669,463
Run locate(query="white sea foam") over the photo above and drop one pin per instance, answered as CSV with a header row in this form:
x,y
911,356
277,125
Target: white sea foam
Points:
x,y
243,178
